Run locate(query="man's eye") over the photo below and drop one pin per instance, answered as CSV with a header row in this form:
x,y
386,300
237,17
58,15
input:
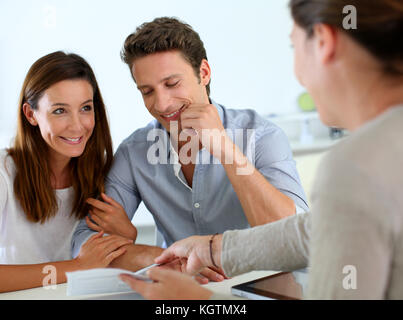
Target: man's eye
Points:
x,y
146,93
170,85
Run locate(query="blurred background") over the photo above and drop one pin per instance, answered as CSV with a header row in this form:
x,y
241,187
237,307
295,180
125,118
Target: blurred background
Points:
x,y
248,48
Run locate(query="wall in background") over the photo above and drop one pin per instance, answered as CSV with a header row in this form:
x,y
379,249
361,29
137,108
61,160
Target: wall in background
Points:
x,y
247,43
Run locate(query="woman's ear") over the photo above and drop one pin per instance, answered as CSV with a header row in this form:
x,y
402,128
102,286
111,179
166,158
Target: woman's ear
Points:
x,y
205,72
326,42
29,114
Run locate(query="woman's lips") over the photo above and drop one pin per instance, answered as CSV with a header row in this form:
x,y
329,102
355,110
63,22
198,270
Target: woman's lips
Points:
x,y
72,141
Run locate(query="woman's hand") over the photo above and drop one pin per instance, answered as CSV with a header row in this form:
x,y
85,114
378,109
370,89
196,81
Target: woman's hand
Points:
x,y
168,285
110,217
196,250
202,277
99,251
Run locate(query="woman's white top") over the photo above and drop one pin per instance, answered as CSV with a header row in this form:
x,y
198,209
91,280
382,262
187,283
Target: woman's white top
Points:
x,y
25,242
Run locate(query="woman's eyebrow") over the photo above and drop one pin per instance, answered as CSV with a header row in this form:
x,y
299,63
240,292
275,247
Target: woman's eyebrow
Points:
x,y
88,101
61,104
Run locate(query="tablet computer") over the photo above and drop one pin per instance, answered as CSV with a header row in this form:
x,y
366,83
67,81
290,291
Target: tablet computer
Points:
x,y
279,286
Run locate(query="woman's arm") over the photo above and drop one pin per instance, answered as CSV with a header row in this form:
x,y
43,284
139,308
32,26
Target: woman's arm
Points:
x,y
97,252
280,245
26,276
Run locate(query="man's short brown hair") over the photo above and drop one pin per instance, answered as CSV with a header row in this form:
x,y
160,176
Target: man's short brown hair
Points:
x,y
165,34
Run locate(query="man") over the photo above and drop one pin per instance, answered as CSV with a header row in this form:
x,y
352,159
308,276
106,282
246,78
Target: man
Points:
x,y
193,179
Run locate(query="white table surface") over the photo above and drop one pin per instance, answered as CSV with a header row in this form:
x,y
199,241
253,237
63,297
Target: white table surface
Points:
x,y
59,292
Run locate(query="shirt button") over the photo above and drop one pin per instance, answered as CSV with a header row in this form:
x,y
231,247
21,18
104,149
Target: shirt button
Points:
x,y
197,205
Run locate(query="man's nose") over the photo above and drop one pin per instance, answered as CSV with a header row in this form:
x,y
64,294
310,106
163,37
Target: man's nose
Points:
x,y
162,103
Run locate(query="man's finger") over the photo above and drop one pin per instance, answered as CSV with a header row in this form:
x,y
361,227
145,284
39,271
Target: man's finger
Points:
x,y
191,113
191,127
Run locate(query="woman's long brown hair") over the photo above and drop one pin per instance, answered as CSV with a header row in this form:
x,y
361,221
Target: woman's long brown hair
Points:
x,y
32,183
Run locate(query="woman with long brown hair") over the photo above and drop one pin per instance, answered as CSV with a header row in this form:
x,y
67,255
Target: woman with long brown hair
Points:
x,y
61,154
349,56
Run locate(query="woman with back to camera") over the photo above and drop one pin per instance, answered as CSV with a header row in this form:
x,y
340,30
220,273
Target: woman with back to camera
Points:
x,y
61,154
355,77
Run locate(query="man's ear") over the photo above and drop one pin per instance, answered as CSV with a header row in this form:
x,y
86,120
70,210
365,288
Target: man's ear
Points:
x,y
205,72
326,38
29,114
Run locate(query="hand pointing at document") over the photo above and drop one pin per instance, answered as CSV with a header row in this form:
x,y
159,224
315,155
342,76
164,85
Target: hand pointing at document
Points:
x,y
200,252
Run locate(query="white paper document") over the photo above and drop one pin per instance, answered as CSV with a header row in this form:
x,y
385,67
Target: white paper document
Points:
x,y
98,281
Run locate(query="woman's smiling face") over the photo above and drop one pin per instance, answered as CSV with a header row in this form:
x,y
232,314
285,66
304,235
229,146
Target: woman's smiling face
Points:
x,y
65,116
